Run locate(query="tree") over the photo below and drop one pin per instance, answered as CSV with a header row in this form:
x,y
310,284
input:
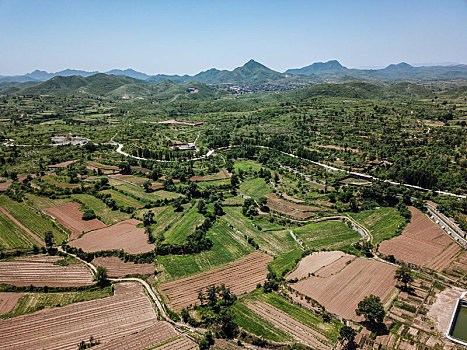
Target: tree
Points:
x,y
347,334
404,275
147,186
218,208
101,276
89,215
201,206
49,239
372,309
148,218
125,168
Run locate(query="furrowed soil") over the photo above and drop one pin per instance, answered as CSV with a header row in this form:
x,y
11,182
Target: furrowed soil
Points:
x,y
41,271
125,313
240,276
117,268
69,216
421,243
313,262
8,301
124,235
340,293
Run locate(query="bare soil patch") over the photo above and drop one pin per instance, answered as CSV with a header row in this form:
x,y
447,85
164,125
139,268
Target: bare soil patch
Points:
x,y
125,313
117,268
69,216
124,235
63,164
240,276
341,292
292,199
313,262
441,310
420,243
8,301
41,271
180,343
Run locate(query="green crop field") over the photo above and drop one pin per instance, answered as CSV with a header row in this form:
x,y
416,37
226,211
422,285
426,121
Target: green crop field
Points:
x,y
32,302
12,236
247,165
41,203
255,188
327,235
182,228
274,242
382,222
142,195
124,200
37,222
107,215
285,262
226,248
254,323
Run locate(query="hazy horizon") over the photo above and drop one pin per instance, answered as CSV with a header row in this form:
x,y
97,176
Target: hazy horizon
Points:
x,y
187,38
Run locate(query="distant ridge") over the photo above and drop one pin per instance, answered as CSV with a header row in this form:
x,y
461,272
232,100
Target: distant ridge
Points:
x,y
254,73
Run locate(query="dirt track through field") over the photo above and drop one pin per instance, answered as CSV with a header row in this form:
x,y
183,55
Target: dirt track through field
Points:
x,y
341,292
420,243
240,276
124,235
38,240
127,312
41,271
69,216
283,321
8,301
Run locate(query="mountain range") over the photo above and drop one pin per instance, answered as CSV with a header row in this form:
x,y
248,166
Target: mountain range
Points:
x,y
254,73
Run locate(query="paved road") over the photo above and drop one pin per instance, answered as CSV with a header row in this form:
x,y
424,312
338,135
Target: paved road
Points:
x,y
447,225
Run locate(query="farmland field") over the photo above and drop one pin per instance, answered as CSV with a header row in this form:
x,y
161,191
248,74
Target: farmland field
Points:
x,y
274,242
255,188
382,223
106,214
32,302
124,200
117,268
41,271
227,247
139,192
106,319
181,229
124,235
34,221
8,302
69,216
327,234
12,236
240,276
422,243
317,262
350,285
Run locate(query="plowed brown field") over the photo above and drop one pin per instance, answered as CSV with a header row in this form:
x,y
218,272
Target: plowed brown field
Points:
x,y
341,292
148,338
41,271
180,343
240,276
293,210
124,235
314,262
8,301
127,312
118,268
420,243
69,216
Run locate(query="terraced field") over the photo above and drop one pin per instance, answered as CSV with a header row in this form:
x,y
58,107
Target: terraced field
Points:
x,y
240,276
107,215
227,247
41,271
185,226
125,313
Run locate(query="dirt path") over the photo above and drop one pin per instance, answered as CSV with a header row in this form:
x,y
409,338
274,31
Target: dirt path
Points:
x,y
40,241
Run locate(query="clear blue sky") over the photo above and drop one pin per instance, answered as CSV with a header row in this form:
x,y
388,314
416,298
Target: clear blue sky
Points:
x,y
189,36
